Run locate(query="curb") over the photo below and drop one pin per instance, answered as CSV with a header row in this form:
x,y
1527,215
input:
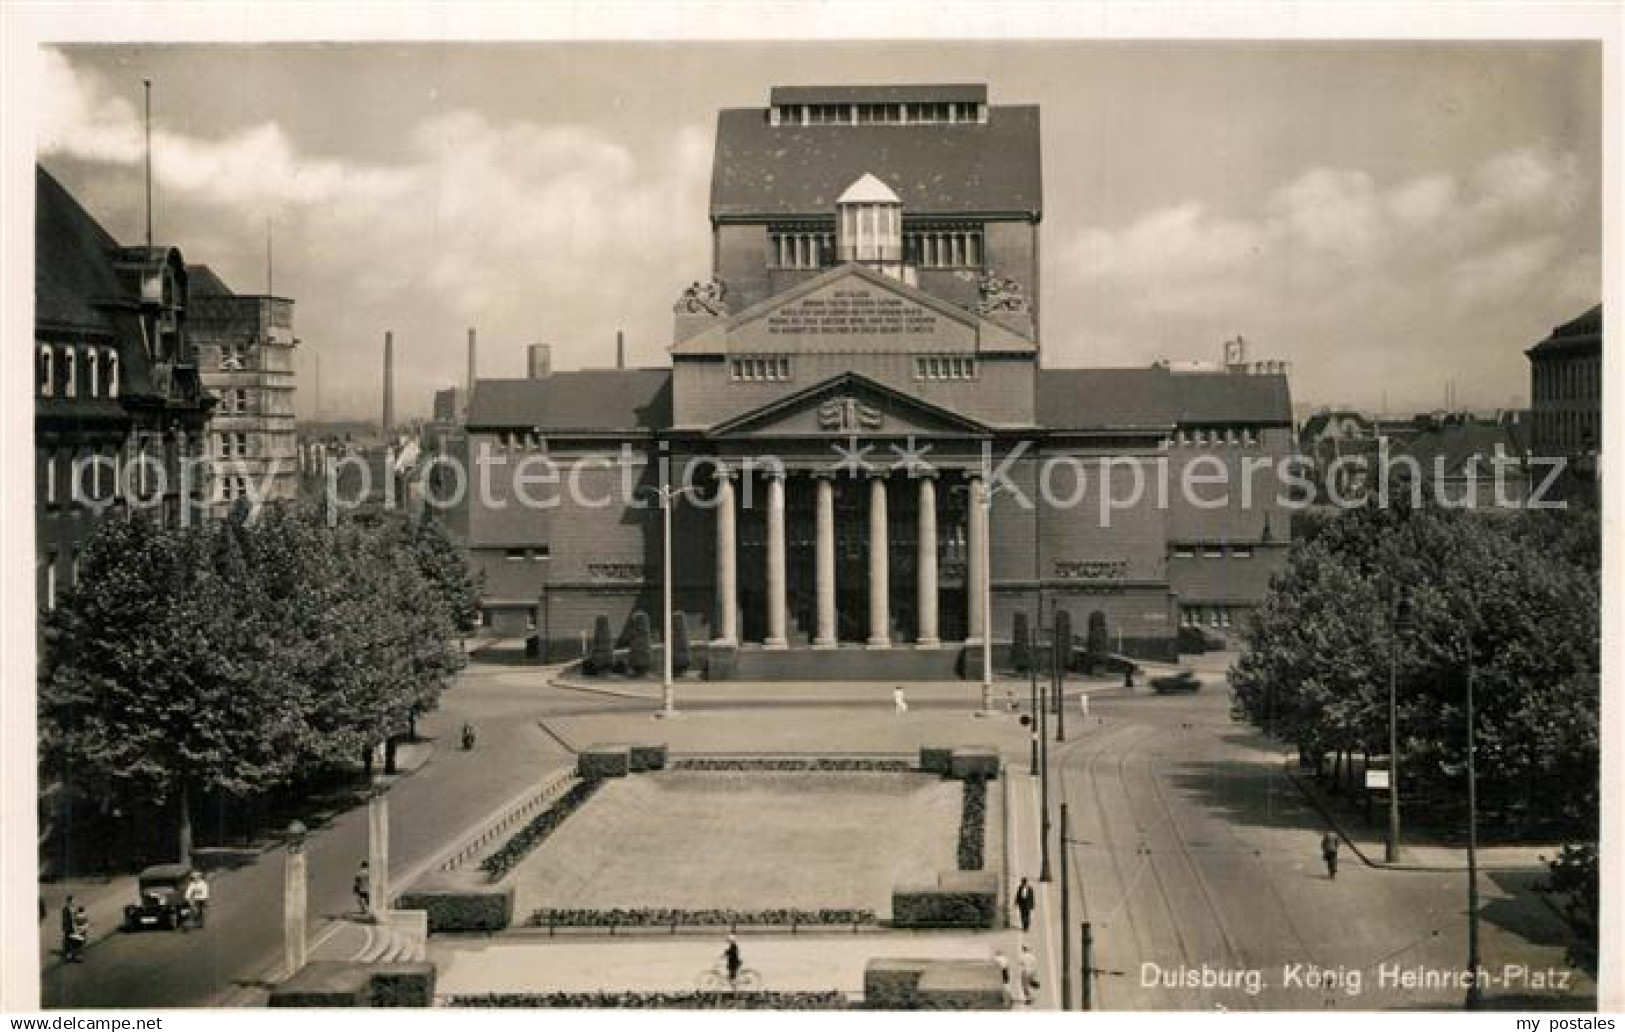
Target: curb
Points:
x,y
592,689
1383,865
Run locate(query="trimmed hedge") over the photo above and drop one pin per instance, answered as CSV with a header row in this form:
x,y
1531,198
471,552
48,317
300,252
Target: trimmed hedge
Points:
x,y
973,825
461,901
901,983
403,985
974,763
936,759
850,766
666,917
640,651
958,900
499,863
646,756
601,660
691,1000
682,655
604,761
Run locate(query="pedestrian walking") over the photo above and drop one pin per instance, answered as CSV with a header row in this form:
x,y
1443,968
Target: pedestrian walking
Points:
x,y
1083,704
69,953
1025,900
1329,844
363,887
197,898
1029,972
898,701
76,934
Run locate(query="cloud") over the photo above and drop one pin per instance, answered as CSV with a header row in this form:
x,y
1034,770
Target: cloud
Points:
x,y
527,230
1346,274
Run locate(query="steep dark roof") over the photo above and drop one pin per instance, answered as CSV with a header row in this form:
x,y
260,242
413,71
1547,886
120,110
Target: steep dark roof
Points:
x,y
1451,448
592,400
205,282
1316,424
73,262
763,170
1578,334
922,93
1084,399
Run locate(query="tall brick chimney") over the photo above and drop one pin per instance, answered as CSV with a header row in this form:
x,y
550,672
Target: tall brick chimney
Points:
x,y
389,382
620,350
540,363
471,364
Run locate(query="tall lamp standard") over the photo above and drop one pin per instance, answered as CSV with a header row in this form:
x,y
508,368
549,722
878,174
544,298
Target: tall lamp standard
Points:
x,y
1475,992
981,494
668,692
1396,620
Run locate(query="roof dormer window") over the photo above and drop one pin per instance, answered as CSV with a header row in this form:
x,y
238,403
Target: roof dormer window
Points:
x,y
869,224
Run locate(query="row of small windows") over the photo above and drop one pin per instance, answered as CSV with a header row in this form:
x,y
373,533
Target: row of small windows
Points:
x,y
60,371
527,555
1568,380
772,368
1213,551
960,249
892,113
944,367
928,249
102,473
1242,437
1210,616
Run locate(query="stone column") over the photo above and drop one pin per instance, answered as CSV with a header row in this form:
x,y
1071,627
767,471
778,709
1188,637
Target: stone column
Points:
x,y
294,895
776,637
378,851
927,564
727,562
826,634
975,572
879,584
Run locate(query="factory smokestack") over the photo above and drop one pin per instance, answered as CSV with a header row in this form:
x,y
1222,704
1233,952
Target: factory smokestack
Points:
x,y
472,350
541,361
389,382
620,350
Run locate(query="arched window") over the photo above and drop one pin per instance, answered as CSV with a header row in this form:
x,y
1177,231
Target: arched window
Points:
x,y
93,372
112,373
47,370
70,372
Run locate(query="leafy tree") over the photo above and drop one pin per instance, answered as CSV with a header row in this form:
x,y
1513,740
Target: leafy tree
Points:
x,y
1511,599
640,652
446,567
1021,656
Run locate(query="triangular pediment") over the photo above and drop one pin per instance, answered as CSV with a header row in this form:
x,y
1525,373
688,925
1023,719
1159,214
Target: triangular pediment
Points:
x,y
848,405
852,307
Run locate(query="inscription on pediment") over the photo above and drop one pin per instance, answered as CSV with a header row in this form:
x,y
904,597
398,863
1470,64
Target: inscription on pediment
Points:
x,y
852,310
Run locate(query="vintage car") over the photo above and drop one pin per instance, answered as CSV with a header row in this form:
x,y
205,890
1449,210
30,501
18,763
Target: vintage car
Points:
x,y
1183,681
161,899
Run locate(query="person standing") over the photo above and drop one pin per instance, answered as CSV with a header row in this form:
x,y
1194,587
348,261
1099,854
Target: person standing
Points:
x,y
69,953
1083,704
197,898
1329,844
363,887
733,958
899,703
78,936
1004,973
1029,972
1025,901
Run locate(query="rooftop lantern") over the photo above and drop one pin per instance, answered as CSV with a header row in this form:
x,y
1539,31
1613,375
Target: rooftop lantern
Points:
x,y
869,227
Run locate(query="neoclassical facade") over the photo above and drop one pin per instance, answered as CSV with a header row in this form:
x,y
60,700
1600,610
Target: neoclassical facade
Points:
x,y
862,444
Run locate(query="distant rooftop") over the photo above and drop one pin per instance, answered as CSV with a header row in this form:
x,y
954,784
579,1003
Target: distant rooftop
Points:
x,y
923,93
1581,333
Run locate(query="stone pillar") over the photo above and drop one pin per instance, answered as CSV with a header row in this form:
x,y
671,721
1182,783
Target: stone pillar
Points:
x,y
826,634
975,572
927,564
378,851
776,636
879,584
727,562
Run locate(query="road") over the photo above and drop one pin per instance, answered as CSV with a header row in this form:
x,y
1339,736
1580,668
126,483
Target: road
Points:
x,y
1197,863
244,937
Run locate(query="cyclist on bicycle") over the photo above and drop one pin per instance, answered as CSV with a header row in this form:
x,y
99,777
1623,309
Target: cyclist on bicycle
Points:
x,y
733,958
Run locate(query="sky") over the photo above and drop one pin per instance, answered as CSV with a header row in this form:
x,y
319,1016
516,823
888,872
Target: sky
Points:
x,y
1389,218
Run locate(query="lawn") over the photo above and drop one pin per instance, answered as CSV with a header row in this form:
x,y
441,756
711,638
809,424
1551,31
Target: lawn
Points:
x,y
752,840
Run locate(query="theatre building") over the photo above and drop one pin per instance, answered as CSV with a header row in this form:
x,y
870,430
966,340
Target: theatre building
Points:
x,y
877,448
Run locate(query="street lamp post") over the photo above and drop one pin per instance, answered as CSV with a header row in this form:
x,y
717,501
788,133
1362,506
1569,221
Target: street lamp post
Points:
x,y
1043,789
668,691
1475,992
987,597
1066,916
294,895
1396,610
1032,670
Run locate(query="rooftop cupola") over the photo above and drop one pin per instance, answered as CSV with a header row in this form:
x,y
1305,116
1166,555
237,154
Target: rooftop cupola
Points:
x,y
869,227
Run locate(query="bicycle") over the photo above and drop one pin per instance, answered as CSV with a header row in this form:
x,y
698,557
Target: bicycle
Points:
x,y
716,980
